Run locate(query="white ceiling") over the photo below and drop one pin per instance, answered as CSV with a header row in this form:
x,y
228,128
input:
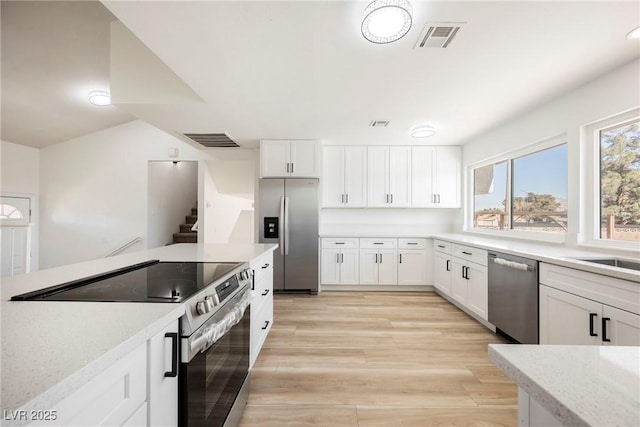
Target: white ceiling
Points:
x,y
301,69
53,53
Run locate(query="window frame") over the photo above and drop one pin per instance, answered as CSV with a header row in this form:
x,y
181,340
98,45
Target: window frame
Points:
x,y
590,135
509,156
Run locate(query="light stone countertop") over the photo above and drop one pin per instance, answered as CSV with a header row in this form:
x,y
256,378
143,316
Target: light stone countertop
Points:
x,y
549,253
578,385
51,348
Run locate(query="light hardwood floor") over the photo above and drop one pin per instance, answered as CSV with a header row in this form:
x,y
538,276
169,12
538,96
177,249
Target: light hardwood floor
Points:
x,y
377,359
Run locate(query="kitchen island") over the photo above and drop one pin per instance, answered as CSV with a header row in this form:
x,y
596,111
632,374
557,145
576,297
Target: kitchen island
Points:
x,y
51,349
573,385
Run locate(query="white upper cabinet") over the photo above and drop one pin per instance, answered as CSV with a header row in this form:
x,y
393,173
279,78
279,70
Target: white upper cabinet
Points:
x,y
289,158
344,177
435,177
389,176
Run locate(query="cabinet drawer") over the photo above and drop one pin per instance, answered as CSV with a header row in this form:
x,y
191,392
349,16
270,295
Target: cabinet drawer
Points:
x,y
442,246
261,322
412,243
469,253
110,398
332,242
378,243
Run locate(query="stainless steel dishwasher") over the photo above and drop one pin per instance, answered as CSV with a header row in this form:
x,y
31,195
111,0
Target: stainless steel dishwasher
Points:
x,y
513,296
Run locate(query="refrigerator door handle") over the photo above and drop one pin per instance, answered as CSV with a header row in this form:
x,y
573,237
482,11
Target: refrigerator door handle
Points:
x,y
281,242
286,225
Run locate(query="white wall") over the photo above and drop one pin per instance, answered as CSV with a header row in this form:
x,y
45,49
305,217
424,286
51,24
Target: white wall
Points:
x,y
227,197
173,192
389,221
94,191
610,94
20,176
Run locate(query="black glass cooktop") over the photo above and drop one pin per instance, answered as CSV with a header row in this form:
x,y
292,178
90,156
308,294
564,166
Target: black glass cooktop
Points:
x,y
151,281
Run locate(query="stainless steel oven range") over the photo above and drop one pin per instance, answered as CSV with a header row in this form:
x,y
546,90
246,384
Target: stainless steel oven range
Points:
x,y
214,332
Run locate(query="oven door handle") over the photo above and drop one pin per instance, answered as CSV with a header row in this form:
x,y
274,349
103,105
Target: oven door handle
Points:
x,y
174,354
212,333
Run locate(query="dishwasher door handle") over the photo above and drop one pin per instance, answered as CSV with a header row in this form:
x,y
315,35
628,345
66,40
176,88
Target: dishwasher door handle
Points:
x,y
512,264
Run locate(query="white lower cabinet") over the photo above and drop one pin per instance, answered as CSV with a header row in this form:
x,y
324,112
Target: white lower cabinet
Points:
x,y
340,262
568,319
163,389
460,273
442,272
262,303
372,261
579,307
134,391
412,262
378,262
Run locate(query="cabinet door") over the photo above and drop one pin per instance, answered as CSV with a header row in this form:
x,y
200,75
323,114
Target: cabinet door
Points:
x,y
349,266
274,158
305,159
333,177
369,266
411,267
355,176
387,266
400,176
330,269
565,318
623,328
422,177
477,289
458,283
378,176
447,176
442,272
163,391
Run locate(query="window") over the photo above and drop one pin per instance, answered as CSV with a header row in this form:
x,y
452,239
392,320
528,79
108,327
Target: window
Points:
x,y
526,193
619,183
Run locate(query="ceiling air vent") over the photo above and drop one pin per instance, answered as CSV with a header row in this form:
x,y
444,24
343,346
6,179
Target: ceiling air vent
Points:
x,y
212,140
438,35
379,123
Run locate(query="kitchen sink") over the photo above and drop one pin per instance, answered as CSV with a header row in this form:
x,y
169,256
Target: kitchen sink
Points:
x,y
614,262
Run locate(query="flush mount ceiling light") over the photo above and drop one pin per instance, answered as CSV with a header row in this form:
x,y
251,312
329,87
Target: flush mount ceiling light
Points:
x,y
99,98
423,131
634,34
385,21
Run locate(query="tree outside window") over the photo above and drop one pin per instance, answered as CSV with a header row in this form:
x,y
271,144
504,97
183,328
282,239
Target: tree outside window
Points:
x,y
620,182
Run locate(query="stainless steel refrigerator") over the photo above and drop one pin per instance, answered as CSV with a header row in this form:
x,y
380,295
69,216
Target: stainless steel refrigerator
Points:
x,y
289,215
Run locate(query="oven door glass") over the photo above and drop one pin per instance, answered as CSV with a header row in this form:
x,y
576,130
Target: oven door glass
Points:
x,y
210,382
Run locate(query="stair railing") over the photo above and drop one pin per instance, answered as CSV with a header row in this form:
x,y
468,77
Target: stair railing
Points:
x,y
125,246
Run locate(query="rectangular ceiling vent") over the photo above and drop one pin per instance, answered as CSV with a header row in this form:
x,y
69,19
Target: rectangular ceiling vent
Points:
x,y
379,123
438,35
212,140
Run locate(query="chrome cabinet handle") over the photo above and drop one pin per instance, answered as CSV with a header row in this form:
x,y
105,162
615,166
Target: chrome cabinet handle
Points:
x,y
467,253
380,258
346,196
392,198
400,258
448,261
376,258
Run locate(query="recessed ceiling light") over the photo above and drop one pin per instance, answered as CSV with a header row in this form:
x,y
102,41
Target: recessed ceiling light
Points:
x,y
100,98
634,34
423,131
385,21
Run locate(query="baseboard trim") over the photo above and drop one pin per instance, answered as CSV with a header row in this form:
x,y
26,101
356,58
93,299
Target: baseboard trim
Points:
x,y
479,319
380,288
